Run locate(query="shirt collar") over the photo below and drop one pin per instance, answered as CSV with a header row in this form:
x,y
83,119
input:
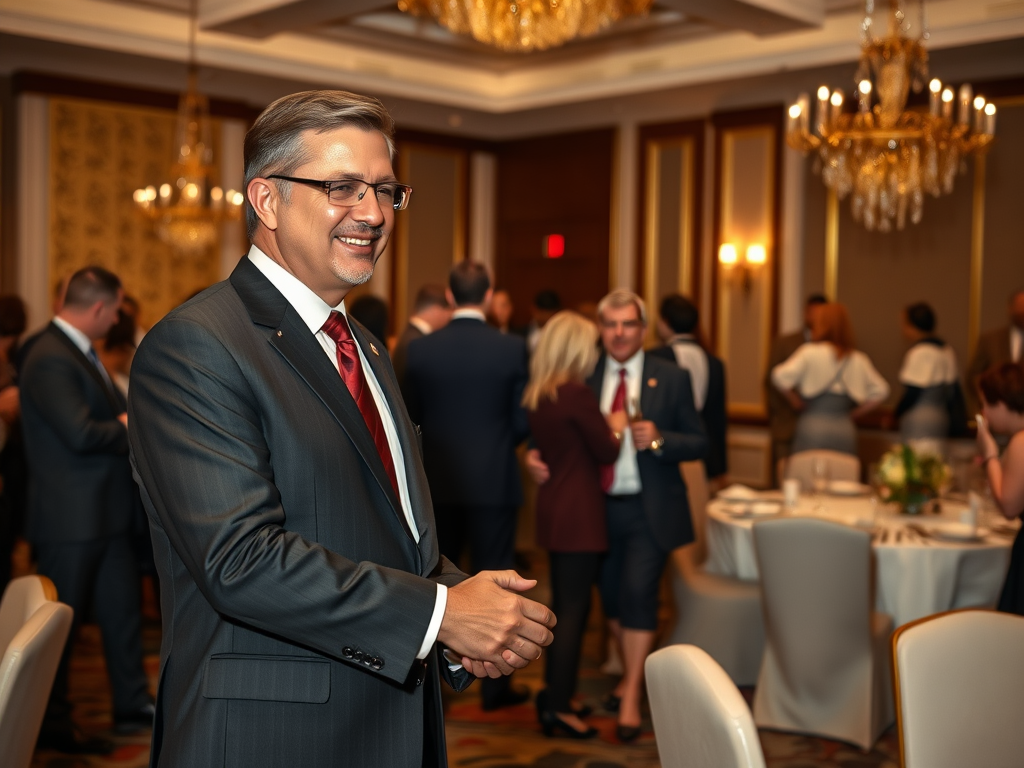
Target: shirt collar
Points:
x,y
81,341
682,337
634,365
313,310
421,325
468,313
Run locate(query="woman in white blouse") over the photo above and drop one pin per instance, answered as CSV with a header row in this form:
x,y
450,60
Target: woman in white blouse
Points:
x,y
829,383
932,398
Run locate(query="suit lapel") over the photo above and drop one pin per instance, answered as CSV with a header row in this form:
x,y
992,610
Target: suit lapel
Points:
x,y
648,394
290,336
596,379
114,398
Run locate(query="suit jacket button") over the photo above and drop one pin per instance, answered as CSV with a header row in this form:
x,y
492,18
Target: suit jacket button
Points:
x,y
346,652
377,663
357,655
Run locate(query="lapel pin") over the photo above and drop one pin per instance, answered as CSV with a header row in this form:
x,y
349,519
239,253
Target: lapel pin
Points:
x,y
652,383
374,350
280,333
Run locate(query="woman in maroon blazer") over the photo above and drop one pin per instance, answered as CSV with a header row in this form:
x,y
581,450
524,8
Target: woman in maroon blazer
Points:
x,y
575,440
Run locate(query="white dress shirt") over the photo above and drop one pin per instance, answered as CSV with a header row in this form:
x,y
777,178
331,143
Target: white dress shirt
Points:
x,y
421,325
84,343
314,312
468,313
815,368
690,356
627,472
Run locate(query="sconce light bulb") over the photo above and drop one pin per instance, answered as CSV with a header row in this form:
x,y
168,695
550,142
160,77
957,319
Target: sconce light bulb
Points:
x,y
990,109
935,85
794,111
727,253
947,94
979,102
823,93
756,254
864,86
837,99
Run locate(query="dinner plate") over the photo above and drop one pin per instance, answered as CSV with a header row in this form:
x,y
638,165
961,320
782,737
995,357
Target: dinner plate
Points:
x,y
848,488
754,509
958,532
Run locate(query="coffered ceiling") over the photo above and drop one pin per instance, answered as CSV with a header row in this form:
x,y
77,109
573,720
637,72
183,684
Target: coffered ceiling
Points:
x,y
370,45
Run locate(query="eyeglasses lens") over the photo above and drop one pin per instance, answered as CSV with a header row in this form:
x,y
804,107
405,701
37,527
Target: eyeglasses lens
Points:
x,y
350,193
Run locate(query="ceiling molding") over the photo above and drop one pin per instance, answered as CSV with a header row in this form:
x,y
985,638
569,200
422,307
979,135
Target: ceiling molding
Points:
x,y
149,31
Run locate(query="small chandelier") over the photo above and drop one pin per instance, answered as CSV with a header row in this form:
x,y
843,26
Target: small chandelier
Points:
x,y
886,155
525,25
188,212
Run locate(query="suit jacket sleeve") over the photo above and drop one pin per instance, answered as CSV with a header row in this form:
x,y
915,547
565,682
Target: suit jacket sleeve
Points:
x,y
56,386
203,463
685,439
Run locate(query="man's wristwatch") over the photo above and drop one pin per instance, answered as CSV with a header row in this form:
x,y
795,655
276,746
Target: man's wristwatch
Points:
x,y
656,445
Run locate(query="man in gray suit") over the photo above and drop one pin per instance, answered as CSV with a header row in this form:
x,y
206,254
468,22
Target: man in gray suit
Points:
x,y
304,598
82,500
998,346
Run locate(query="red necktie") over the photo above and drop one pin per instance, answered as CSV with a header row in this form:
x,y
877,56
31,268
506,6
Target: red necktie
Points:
x,y
618,404
351,371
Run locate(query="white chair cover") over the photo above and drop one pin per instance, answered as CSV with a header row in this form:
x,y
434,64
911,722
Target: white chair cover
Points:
x,y
841,466
35,628
826,666
716,613
960,690
700,718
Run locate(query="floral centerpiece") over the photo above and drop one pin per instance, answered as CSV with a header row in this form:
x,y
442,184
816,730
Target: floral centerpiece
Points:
x,y
911,478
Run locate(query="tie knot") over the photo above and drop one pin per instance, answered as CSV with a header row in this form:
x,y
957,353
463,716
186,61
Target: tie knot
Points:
x,y
337,327
622,374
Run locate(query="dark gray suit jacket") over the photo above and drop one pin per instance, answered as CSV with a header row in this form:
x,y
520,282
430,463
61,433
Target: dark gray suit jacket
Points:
x,y
294,597
666,398
80,482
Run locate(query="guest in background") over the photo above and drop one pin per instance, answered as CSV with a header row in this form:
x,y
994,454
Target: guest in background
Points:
x,y
1002,397
130,307
13,472
499,313
372,312
575,439
1002,345
545,304
117,350
464,387
932,407
678,327
829,383
781,416
430,312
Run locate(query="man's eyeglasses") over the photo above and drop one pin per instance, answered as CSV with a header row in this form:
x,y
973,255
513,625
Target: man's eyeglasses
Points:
x,y
351,191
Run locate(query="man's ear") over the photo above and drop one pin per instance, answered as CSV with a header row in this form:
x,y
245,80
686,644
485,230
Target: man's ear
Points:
x,y
264,198
450,298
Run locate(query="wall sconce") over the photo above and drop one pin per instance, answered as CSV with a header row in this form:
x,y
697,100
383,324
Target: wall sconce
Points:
x,y
755,256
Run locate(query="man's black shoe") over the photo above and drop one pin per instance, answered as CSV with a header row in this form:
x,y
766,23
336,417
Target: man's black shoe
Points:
x,y
74,742
141,719
510,697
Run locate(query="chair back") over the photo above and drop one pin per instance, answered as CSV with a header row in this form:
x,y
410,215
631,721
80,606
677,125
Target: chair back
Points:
x,y
700,718
959,680
695,477
29,663
841,466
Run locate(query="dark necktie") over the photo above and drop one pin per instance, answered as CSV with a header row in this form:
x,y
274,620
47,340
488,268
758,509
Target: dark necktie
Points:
x,y
351,371
95,360
618,404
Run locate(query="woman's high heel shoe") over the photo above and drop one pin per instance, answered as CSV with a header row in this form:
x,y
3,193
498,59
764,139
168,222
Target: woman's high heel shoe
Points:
x,y
553,725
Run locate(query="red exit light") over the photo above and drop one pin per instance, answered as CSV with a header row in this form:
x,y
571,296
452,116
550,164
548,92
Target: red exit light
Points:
x,y
554,246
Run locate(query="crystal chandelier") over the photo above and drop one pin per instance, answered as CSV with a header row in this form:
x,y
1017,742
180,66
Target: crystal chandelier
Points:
x,y
188,212
886,155
525,25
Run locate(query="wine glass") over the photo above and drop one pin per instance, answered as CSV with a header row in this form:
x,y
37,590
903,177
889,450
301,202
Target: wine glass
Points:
x,y
819,481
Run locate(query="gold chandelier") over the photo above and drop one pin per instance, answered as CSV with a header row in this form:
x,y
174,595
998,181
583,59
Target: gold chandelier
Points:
x,y
887,156
525,25
188,212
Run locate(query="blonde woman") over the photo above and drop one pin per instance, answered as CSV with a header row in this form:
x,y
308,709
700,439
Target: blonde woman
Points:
x,y
575,440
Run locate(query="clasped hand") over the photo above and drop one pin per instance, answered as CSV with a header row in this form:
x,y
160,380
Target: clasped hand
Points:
x,y
493,629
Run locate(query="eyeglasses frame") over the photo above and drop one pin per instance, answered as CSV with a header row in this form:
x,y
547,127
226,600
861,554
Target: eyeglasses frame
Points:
x,y
325,185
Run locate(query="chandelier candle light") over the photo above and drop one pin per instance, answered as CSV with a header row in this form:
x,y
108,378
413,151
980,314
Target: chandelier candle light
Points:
x,y
525,25
188,212
886,155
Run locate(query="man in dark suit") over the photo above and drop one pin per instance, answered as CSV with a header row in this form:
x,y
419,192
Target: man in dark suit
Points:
x,y
677,327
82,500
304,596
1002,345
647,508
431,312
781,416
464,387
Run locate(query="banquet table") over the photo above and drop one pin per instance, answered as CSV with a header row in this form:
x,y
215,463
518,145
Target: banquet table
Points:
x,y
919,571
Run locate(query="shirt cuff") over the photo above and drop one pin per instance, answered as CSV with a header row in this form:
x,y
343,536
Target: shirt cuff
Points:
x,y
440,603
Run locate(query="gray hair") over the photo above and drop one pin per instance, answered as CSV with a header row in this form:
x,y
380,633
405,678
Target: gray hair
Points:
x,y
274,143
622,297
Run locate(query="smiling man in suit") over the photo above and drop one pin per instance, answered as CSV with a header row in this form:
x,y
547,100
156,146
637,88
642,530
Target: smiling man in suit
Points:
x,y
82,500
304,597
647,508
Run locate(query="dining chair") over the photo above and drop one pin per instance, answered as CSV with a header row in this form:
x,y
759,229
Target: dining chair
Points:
x,y
719,614
33,630
826,661
700,717
841,466
959,688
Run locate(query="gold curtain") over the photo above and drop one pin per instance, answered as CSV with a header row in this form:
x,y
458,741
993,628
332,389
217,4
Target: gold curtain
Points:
x,y
99,154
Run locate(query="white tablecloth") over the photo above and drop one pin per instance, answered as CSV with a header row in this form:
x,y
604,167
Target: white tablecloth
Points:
x,y
916,575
